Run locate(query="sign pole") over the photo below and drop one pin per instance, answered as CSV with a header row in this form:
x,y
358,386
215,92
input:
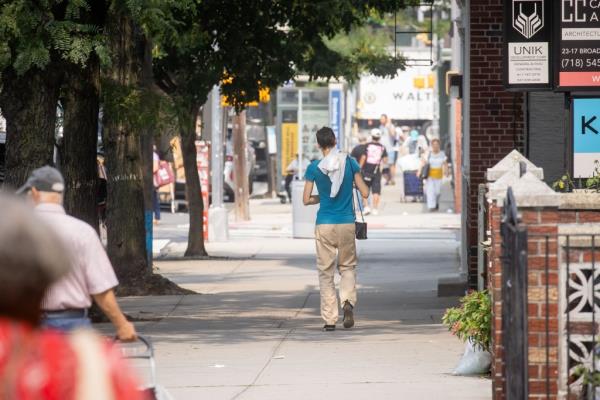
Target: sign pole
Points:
x,y
300,156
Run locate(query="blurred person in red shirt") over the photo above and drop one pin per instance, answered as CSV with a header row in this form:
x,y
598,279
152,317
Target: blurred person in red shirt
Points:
x,y
38,363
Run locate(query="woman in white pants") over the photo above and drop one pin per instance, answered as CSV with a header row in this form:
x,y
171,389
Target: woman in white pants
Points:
x,y
438,169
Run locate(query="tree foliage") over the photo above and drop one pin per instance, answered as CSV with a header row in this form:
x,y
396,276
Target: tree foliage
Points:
x,y
196,44
32,33
248,45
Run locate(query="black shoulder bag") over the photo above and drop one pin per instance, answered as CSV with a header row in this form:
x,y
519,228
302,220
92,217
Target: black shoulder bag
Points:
x,y
426,168
361,227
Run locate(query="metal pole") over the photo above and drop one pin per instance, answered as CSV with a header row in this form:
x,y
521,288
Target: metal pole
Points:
x,y
300,156
218,228
216,159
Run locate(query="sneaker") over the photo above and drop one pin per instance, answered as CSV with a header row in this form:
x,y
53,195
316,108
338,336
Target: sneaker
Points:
x,y
375,211
328,328
367,211
348,315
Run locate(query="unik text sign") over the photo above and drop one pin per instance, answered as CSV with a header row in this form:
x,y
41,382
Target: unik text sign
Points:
x,y
578,44
527,46
586,136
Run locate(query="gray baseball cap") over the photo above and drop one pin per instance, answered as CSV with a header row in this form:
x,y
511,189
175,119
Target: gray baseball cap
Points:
x,y
44,179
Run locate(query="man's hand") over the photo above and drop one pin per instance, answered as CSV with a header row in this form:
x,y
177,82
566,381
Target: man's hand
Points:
x,y
108,304
126,332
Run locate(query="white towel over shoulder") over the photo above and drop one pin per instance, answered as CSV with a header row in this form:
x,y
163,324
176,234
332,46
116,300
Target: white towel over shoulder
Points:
x,y
334,166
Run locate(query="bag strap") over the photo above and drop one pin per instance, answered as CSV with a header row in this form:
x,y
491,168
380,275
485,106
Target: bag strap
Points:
x,y
355,191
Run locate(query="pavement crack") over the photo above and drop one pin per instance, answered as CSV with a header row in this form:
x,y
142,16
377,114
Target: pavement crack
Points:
x,y
263,369
274,351
160,319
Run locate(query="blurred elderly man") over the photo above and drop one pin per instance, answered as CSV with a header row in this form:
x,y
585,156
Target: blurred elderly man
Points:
x,y
45,364
67,302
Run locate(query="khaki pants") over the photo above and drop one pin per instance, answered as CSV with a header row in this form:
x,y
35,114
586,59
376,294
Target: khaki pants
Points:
x,y
336,246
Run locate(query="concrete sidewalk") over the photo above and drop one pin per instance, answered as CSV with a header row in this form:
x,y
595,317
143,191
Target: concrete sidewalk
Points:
x,y
255,331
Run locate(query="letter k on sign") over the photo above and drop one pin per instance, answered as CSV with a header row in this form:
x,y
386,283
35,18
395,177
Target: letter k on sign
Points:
x,y
587,124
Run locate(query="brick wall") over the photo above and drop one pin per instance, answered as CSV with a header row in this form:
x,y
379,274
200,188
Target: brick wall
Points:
x,y
539,222
544,262
496,122
495,288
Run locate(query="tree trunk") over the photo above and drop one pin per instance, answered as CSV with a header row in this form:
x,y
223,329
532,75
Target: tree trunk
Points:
x,y
196,204
29,104
240,165
147,157
125,203
80,141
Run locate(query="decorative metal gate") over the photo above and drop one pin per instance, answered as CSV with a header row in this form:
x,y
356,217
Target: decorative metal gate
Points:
x,y
514,300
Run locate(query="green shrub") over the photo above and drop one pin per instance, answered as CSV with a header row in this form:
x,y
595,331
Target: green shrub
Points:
x,y
472,320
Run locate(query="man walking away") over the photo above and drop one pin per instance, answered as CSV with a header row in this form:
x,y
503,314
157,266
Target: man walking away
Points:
x,y
335,230
358,150
67,301
370,163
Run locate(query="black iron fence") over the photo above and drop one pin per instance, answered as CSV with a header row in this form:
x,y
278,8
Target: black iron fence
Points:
x,y
514,301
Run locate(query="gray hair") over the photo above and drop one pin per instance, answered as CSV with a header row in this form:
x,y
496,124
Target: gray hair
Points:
x,y
31,258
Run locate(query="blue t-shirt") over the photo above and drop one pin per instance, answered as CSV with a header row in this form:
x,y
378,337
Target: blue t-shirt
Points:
x,y
337,210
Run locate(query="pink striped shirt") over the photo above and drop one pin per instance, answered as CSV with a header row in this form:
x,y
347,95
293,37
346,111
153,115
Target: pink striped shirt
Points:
x,y
92,271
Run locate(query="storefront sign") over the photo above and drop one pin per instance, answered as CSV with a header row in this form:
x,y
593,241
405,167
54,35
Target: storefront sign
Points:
x,y
396,97
586,136
578,45
527,45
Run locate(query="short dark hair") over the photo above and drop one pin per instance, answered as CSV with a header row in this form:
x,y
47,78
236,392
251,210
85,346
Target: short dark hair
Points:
x,y
326,137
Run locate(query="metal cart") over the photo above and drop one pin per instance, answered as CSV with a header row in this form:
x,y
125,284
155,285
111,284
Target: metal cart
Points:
x,y
143,350
413,186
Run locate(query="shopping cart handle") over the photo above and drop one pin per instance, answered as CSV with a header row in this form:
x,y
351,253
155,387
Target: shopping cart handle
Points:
x,y
145,341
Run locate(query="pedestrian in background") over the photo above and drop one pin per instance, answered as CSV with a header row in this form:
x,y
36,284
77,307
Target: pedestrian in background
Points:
x,y
438,169
68,300
388,140
335,231
291,174
371,165
44,364
359,150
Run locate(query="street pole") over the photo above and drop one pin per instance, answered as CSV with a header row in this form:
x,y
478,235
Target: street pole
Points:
x,y
271,166
240,165
435,126
299,119
218,227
